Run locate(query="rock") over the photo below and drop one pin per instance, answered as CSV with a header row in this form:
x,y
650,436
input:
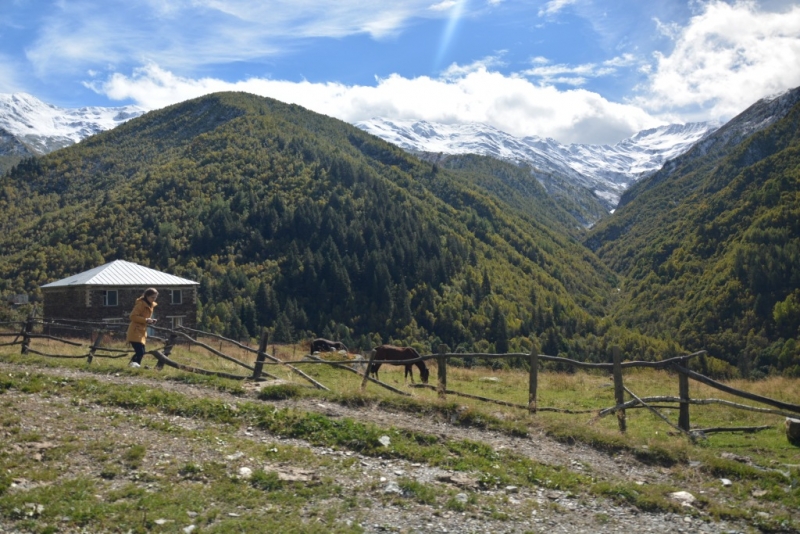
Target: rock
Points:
x,y
292,474
758,493
793,431
189,529
234,456
726,482
393,487
245,472
735,457
459,479
683,497
33,509
462,498
512,489
385,441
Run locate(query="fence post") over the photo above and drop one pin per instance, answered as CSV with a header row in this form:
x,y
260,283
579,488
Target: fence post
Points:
x,y
683,389
26,340
368,370
262,355
97,341
167,349
442,361
619,388
533,378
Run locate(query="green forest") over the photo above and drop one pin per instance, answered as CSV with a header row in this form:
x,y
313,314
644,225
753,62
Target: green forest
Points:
x,y
709,251
306,226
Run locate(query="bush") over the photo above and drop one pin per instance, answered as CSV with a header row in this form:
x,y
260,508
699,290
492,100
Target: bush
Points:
x,y
280,392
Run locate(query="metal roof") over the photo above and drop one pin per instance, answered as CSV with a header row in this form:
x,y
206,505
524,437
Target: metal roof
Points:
x,y
121,273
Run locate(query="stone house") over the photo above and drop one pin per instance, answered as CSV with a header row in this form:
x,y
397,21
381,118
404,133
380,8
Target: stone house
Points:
x,y
107,294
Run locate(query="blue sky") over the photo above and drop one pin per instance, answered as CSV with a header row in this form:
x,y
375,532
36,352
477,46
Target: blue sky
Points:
x,y
574,70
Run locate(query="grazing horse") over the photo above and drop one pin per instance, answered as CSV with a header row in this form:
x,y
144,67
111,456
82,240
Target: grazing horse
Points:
x,y
389,353
326,345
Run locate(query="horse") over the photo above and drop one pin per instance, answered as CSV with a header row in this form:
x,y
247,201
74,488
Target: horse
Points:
x,y
389,353
326,345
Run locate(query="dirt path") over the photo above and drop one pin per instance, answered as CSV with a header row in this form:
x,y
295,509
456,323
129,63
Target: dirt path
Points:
x,y
523,509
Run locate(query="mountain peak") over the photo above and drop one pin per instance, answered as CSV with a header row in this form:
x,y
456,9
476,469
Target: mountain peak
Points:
x,y
606,170
44,127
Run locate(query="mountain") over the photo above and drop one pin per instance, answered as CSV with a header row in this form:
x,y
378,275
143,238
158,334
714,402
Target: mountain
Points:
x,y
306,225
709,246
549,198
605,170
29,127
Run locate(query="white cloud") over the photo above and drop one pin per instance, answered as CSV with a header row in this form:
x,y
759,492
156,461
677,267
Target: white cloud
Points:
x,y
554,6
508,102
576,75
186,34
8,75
445,5
726,57
457,71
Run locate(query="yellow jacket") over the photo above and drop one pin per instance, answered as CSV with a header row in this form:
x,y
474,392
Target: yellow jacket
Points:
x,y
142,311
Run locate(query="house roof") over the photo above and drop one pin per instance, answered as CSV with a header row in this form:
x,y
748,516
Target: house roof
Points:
x,y
121,273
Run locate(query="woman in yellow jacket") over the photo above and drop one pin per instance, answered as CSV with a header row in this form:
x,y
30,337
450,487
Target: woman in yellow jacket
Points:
x,y
140,318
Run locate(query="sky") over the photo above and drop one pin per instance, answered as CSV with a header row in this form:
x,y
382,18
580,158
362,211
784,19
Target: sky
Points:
x,y
578,71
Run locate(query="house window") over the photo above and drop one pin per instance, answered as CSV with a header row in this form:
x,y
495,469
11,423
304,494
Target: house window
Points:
x,y
176,296
177,321
110,297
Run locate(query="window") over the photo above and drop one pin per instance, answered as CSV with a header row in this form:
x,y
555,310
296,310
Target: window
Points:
x,y
177,321
110,297
176,296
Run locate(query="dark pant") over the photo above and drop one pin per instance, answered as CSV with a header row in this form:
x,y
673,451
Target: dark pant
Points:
x,y
138,349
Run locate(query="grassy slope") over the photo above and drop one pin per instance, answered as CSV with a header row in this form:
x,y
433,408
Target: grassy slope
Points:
x,y
648,438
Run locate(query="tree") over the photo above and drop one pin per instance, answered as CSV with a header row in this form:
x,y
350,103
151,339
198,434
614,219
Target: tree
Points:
x,y
498,332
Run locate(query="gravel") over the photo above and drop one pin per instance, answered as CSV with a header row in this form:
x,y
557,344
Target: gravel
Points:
x,y
376,481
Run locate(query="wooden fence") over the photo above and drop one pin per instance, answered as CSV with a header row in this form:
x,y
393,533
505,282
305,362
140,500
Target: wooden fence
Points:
x,y
263,359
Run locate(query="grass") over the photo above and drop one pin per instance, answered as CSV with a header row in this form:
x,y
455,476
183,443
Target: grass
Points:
x,y
771,471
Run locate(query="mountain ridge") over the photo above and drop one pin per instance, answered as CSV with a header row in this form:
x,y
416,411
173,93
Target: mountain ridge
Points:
x,y
714,239
605,170
30,127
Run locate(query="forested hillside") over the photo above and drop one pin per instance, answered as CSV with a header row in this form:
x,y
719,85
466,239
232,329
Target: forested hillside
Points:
x,y
308,226
572,207
709,249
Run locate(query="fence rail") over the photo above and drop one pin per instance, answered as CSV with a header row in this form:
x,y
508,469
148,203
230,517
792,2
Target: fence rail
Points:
x,y
264,359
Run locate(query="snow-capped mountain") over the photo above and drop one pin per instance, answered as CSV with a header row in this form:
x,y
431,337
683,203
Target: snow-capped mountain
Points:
x,y
29,126
607,170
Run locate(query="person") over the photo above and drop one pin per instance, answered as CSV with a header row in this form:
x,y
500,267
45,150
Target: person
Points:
x,y
141,316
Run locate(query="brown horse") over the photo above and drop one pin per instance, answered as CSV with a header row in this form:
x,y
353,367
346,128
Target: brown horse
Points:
x,y
326,345
390,353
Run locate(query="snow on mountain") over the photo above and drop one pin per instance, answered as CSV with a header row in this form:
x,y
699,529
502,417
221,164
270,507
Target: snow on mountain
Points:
x,y
607,170
43,128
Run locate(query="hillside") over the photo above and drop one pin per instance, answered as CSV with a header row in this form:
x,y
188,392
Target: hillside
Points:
x,y
709,246
602,171
307,225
